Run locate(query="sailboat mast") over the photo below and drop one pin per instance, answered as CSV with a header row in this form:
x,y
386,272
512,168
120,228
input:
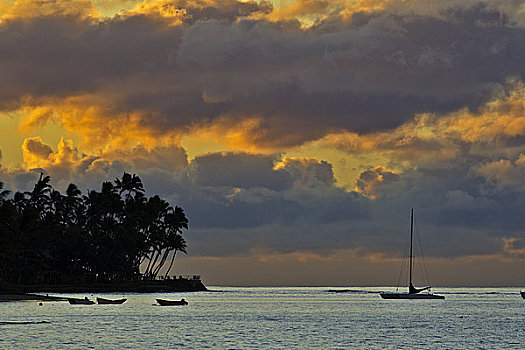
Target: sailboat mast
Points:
x,y
411,233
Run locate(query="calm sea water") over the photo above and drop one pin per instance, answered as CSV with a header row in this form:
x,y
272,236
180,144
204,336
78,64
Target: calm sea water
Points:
x,y
273,318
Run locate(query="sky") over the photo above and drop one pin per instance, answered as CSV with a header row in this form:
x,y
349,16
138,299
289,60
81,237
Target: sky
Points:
x,y
297,135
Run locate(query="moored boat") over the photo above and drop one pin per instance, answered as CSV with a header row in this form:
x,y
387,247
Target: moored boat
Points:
x,y
80,301
413,293
386,295
110,301
164,302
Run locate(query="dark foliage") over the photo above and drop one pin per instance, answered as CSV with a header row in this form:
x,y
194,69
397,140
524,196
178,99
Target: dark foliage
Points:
x,y
106,236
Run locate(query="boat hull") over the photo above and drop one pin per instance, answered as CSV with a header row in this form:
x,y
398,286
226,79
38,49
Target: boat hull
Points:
x,y
75,301
410,296
164,302
522,295
110,301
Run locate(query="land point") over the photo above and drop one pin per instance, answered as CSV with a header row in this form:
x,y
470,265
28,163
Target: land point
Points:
x,y
25,292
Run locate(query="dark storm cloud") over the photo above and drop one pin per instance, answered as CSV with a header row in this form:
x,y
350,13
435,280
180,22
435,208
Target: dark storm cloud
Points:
x,y
455,216
233,213
374,73
224,190
370,74
239,170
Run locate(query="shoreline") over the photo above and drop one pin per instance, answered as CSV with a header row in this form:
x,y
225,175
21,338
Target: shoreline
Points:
x,y
21,292
29,297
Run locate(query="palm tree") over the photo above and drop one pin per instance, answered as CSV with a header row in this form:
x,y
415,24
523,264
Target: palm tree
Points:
x,y
104,212
44,231
3,193
6,235
73,204
176,221
40,198
131,184
165,236
157,209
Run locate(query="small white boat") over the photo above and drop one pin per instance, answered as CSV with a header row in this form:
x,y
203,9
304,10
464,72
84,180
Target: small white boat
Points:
x,y
413,293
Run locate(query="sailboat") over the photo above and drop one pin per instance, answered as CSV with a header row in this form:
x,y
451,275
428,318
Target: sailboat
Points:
x,y
413,292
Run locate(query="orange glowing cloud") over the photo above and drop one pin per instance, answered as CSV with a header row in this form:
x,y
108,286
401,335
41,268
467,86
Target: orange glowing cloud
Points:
x,y
432,137
236,135
363,6
247,134
500,118
371,181
307,171
310,12
68,162
36,8
36,153
301,9
61,164
173,11
179,12
98,126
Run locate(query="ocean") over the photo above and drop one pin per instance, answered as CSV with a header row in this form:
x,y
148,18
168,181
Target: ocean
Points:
x,y
273,318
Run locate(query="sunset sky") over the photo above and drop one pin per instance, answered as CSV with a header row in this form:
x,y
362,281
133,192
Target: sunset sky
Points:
x,y
296,134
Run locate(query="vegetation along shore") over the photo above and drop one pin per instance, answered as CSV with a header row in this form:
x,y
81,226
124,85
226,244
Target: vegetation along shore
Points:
x,y
112,240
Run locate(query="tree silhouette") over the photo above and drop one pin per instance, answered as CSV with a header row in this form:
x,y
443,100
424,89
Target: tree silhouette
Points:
x,y
107,235
131,184
3,193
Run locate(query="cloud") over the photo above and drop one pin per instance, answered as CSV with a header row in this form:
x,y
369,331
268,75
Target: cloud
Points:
x,y
170,158
277,85
88,170
28,9
238,170
422,100
370,181
189,11
291,208
308,171
514,247
492,132
35,151
245,190
504,172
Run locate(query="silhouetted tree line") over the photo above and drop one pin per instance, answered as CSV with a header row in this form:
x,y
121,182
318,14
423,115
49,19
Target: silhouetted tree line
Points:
x,y
103,236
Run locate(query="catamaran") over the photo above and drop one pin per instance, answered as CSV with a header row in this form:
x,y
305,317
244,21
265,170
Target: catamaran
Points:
x,y
413,292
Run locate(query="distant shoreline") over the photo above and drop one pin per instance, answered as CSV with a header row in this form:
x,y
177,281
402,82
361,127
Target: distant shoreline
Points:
x,y
29,297
353,286
20,292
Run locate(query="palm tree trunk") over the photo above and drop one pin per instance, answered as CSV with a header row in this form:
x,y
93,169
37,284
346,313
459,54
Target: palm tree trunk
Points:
x,y
150,258
171,263
161,263
153,264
